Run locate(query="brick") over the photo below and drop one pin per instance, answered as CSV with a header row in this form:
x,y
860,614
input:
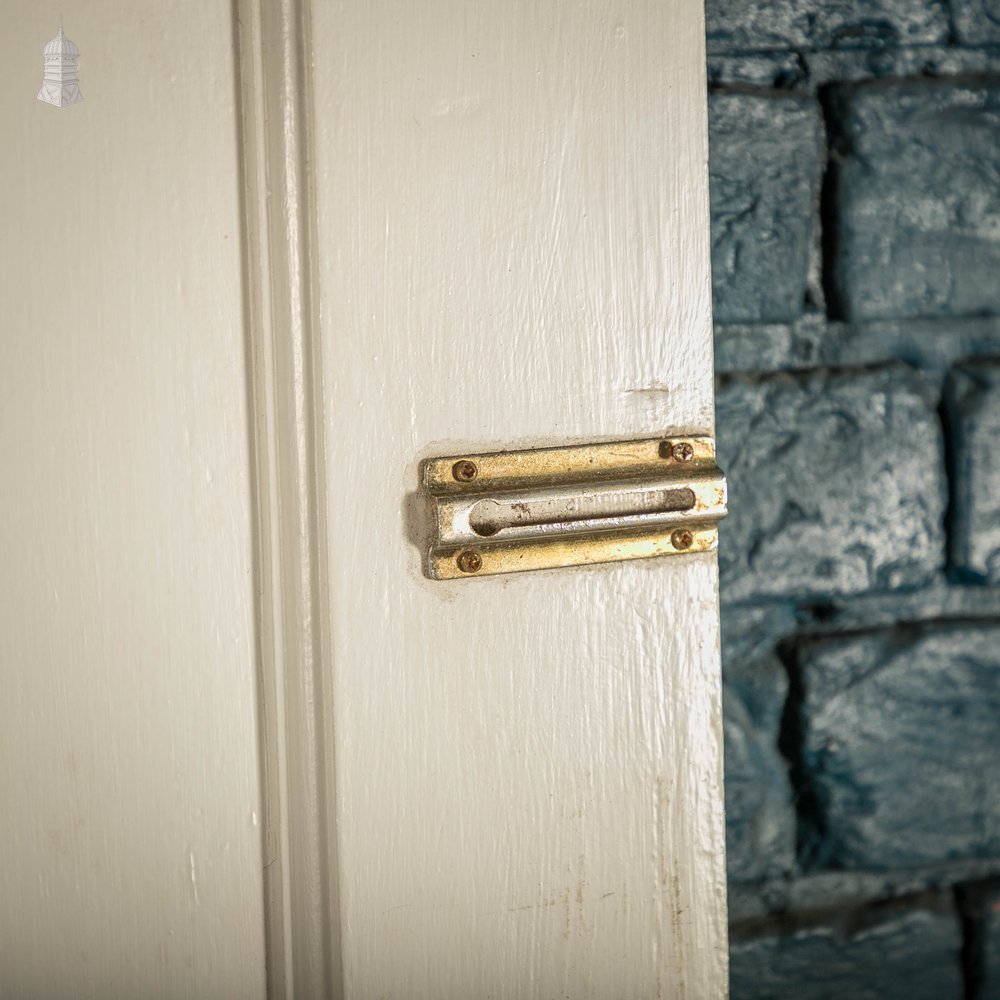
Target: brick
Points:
x,y
836,484
754,347
977,22
979,904
749,25
973,394
764,174
750,633
914,955
917,200
900,746
857,65
781,70
933,345
786,69
760,818
989,929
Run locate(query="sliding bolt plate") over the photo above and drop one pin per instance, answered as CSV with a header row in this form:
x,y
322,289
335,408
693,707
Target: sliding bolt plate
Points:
x,y
513,511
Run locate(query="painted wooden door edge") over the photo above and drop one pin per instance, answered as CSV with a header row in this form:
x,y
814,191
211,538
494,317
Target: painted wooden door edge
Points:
x,y
299,836
514,251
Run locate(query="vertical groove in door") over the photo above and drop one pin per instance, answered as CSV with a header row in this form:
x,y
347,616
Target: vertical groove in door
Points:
x,y
300,865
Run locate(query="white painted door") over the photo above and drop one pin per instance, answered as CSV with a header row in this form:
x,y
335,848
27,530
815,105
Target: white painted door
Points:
x,y
284,251
511,250
129,797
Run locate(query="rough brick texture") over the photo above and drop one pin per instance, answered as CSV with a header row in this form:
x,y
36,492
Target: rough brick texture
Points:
x,y
977,21
760,821
918,198
750,25
901,745
912,956
760,818
764,171
836,484
990,945
974,412
855,184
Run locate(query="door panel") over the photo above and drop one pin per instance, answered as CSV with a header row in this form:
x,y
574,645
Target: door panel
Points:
x,y
512,238
128,757
504,787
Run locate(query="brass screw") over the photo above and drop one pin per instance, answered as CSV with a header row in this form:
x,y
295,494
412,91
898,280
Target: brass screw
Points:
x,y
470,562
464,471
682,539
683,452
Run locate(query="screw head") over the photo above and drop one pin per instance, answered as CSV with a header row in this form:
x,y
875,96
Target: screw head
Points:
x,y
464,471
682,539
682,452
469,561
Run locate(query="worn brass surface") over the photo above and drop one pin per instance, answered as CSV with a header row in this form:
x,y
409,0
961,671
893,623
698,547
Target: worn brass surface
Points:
x,y
508,512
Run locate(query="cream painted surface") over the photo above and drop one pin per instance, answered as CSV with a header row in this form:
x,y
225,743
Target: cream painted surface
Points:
x,y
128,759
512,236
300,885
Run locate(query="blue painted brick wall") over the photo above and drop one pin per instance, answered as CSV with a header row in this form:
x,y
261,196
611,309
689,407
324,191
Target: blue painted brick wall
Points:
x,y
765,183
984,918
749,25
900,742
977,22
761,822
855,183
816,508
917,197
973,394
914,954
